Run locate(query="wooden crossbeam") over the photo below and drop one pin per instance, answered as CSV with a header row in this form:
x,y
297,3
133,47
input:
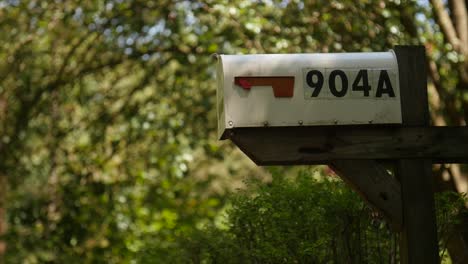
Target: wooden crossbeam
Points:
x,y
373,183
319,145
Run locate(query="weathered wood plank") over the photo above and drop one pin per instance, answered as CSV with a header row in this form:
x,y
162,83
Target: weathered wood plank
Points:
x,y
318,145
418,237
372,181
419,242
413,85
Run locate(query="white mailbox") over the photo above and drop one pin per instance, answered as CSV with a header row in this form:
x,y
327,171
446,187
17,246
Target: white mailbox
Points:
x,y
307,90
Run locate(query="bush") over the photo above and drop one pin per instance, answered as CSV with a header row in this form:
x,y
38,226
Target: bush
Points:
x,y
304,219
300,220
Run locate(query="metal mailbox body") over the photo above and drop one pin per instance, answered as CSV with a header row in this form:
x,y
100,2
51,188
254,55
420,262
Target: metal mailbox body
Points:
x,y
307,90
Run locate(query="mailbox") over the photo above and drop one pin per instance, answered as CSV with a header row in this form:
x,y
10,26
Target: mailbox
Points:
x,y
288,90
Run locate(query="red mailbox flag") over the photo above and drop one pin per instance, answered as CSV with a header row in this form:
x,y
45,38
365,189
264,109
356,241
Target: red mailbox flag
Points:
x,y
283,86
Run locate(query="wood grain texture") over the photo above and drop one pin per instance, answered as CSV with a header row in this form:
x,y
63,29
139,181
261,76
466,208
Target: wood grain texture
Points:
x,y
419,233
419,242
318,145
372,181
413,85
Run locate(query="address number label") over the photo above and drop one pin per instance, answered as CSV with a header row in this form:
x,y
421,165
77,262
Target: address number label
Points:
x,y
339,83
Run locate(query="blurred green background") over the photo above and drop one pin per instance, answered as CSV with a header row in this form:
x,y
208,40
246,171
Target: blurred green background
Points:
x,y
108,148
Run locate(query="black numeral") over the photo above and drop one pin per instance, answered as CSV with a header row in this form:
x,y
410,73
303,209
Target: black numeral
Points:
x,y
315,79
384,85
365,87
317,84
332,83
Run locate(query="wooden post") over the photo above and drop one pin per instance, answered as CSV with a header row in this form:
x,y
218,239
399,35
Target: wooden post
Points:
x,y
419,242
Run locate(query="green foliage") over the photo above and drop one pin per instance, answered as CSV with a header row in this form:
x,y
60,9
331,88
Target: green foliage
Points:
x,y
308,218
308,221
450,212
299,220
108,123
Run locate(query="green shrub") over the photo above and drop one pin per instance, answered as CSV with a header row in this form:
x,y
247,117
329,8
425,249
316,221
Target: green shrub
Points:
x,y
304,219
300,220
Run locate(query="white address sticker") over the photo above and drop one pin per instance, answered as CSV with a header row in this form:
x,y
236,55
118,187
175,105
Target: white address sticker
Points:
x,y
324,83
